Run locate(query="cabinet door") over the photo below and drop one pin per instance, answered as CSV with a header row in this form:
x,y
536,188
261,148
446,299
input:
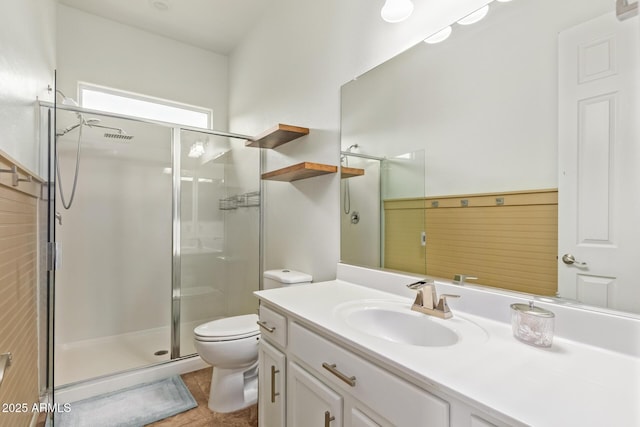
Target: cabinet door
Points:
x,y
360,419
311,403
271,386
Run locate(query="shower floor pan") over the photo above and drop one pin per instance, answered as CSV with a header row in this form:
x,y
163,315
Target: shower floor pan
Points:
x,y
87,359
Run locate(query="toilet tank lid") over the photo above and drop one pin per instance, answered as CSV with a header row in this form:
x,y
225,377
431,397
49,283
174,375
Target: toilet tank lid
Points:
x,y
288,276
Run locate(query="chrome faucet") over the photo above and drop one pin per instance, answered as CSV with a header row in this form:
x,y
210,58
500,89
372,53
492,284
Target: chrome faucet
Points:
x,y
426,298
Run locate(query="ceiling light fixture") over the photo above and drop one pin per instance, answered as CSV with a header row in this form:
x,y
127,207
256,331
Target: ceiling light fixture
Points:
x,y
196,150
396,10
440,36
474,17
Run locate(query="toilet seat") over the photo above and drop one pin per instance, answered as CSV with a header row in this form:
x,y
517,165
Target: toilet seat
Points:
x,y
228,329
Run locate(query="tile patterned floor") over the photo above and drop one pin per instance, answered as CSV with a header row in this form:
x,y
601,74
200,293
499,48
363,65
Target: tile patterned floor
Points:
x,y
198,383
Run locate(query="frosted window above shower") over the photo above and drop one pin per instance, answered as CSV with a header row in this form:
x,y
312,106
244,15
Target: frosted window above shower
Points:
x,y
136,105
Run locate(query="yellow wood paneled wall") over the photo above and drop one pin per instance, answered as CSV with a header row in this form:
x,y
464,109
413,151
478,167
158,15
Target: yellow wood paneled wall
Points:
x,y
511,245
18,278
403,223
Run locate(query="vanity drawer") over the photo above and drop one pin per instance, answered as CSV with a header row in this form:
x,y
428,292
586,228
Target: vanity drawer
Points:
x,y
394,399
273,326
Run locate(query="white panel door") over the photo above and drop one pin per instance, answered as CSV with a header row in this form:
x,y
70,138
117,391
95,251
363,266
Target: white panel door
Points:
x,y
599,163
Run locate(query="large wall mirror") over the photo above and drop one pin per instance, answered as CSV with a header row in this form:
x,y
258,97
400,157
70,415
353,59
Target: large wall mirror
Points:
x,y
529,118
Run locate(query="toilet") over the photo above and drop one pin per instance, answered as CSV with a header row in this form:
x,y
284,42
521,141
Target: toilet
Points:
x,y
231,346
283,278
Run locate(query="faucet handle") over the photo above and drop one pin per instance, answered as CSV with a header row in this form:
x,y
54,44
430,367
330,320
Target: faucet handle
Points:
x,y
442,302
459,279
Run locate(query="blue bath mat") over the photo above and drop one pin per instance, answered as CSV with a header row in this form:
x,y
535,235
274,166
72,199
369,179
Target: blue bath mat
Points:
x,y
130,407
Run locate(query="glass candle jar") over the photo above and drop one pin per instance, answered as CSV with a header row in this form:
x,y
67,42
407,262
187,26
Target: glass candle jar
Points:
x,y
532,325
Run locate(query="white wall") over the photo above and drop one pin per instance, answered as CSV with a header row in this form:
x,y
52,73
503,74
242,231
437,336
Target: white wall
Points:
x,y
290,70
104,52
27,62
483,105
136,264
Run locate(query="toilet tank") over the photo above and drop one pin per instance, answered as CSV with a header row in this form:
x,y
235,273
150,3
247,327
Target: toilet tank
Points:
x,y
283,277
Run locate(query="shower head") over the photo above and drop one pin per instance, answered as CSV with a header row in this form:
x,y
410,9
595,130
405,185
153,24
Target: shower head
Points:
x,y
121,135
118,133
343,154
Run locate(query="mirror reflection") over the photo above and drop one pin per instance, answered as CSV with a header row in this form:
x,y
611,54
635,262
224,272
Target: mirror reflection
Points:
x,y
527,126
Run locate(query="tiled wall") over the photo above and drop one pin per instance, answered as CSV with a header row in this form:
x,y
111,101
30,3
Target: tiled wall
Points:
x,y
18,316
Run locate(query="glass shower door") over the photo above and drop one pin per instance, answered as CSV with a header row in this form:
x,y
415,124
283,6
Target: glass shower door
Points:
x,y
112,307
217,273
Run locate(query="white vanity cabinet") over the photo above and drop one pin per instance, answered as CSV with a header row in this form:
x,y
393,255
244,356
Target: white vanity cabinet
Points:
x,y
272,369
364,385
310,402
308,380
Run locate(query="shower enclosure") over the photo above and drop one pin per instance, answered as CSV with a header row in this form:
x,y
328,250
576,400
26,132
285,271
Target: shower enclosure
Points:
x,y
162,234
363,216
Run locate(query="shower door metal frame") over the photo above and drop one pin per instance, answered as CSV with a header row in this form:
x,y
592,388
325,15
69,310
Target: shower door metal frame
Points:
x,y
176,266
176,270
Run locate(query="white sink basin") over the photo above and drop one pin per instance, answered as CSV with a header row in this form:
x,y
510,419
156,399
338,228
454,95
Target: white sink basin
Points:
x,y
395,322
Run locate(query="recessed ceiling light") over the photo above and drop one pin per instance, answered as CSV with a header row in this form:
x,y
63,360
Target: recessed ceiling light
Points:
x,y
161,5
396,10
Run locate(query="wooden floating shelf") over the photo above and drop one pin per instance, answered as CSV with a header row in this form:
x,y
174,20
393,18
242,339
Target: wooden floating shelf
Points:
x,y
346,172
278,135
300,171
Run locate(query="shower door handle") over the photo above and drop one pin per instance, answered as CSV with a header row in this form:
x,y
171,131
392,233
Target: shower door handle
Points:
x,y
5,362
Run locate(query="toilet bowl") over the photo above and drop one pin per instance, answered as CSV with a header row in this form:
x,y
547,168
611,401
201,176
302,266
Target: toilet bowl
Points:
x,y
231,346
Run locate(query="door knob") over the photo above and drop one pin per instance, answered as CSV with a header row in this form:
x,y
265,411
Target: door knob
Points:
x,y
571,260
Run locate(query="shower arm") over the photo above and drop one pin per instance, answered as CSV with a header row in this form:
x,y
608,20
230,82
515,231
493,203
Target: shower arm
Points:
x,y
142,120
363,156
119,130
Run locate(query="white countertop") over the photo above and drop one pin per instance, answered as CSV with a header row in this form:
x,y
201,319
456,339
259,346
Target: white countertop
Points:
x,y
569,384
